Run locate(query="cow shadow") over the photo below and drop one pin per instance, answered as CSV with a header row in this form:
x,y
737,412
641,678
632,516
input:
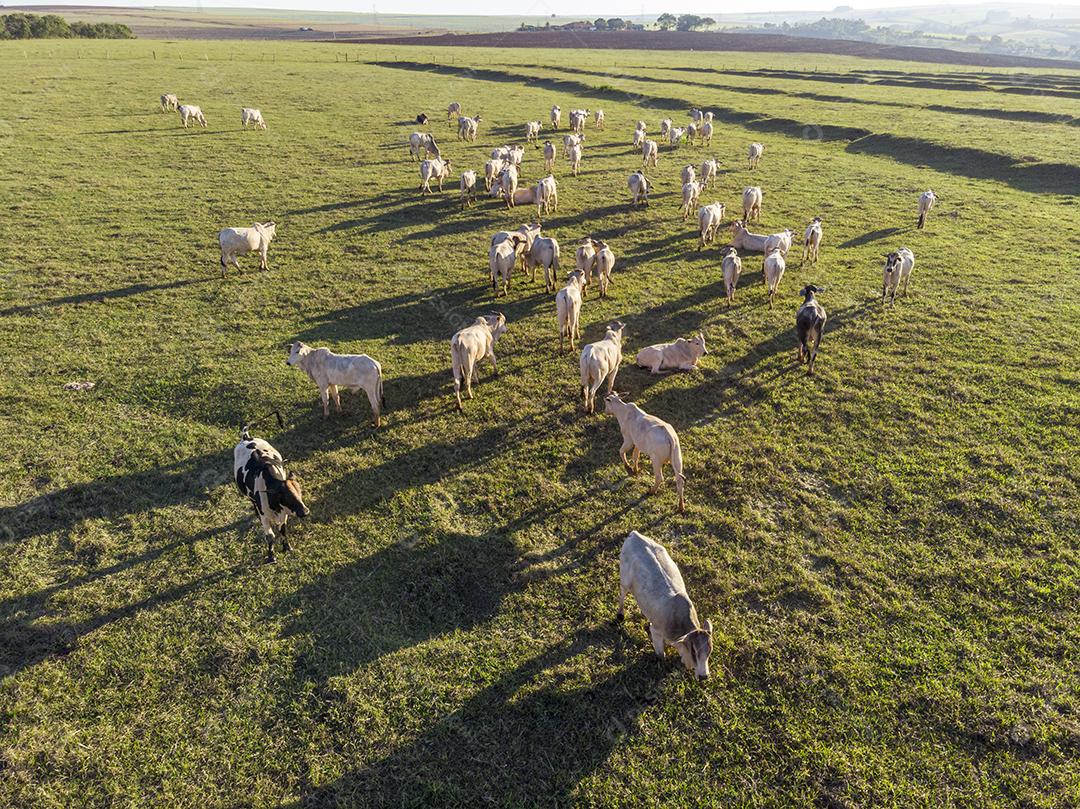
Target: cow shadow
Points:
x,y
104,295
561,734
870,236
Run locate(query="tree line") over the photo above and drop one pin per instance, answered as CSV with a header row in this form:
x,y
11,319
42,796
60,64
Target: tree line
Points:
x,y
53,26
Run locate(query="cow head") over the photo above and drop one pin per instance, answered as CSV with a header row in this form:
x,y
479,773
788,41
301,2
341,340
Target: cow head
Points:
x,y
496,321
694,649
615,328
892,264
809,291
292,498
699,340
297,352
269,228
613,403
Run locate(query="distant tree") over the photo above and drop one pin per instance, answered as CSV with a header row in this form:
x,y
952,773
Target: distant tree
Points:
x,y
616,23
600,24
665,22
689,22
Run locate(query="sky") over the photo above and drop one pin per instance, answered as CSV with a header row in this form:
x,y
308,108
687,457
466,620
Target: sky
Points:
x,y
574,8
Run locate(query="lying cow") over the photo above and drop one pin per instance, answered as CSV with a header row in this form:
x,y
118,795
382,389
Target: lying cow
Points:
x,y
682,355
330,371
238,241
259,471
648,435
648,572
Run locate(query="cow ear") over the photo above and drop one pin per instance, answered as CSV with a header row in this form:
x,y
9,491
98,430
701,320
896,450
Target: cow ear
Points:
x,y
707,626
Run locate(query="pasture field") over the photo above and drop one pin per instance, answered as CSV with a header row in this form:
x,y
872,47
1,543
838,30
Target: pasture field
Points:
x,y
887,550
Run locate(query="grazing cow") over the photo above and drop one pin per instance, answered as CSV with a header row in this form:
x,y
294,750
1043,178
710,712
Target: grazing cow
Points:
x,y
422,144
189,113
436,169
575,159
638,138
252,116
751,203
706,133
812,240
549,157
708,171
648,435
898,267
650,153
754,156
648,571
528,232
599,362
544,253
556,117
773,270
238,241
675,135
682,355
422,118
259,472
665,127
547,196
639,188
468,127
330,371
709,218
691,133
568,308
691,193
468,188
688,174
926,202
502,256
809,324
731,264
169,102
454,110
472,344
743,239
532,132
599,115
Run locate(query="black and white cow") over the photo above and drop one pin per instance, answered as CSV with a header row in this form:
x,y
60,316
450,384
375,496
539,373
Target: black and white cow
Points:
x,y
261,477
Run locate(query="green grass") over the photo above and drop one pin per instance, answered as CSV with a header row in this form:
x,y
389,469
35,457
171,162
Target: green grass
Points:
x,y
887,550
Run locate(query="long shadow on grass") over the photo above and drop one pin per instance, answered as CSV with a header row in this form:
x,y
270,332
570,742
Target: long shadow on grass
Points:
x,y
870,236
505,748
102,296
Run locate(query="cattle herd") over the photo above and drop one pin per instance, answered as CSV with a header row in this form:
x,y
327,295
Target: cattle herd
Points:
x,y
645,567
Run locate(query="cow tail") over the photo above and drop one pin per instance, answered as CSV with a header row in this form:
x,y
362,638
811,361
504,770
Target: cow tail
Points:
x,y
382,399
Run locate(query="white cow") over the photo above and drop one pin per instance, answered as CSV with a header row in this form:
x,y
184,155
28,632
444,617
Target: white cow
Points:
x,y
688,174
569,141
675,135
751,203
547,196
549,157
665,127
528,232
189,113
169,102
603,264
451,111
248,115
600,362
330,371
650,153
238,241
584,261
773,267
708,171
468,127
575,159
743,239
638,139
532,131
556,117
648,435
544,253
648,571
507,185
709,218
568,308
472,344
682,355
754,156
781,241
812,240
468,188
436,169
492,169
502,256
422,144
691,192
599,116
731,264
898,267
639,188
706,133
926,202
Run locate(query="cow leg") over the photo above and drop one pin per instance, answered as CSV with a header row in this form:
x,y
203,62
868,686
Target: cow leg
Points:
x,y
611,380
621,613
494,364
337,397
285,546
658,473
373,398
324,396
657,641
627,445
